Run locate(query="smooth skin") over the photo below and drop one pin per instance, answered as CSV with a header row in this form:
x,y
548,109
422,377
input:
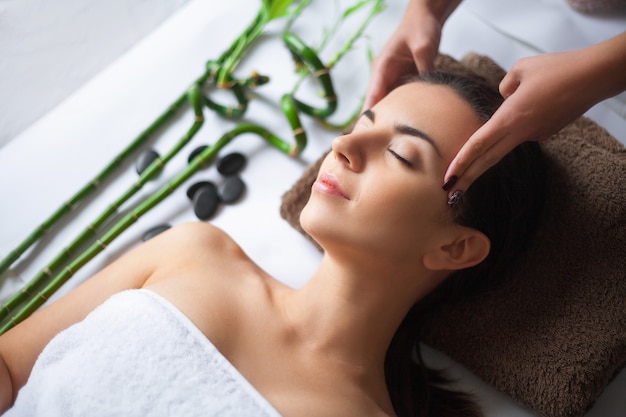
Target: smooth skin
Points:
x,y
543,93
318,350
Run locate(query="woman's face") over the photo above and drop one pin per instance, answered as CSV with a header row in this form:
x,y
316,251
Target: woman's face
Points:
x,y
379,189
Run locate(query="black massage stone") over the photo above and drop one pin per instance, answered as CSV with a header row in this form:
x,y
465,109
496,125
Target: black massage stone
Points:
x,y
231,164
196,152
231,189
191,191
150,233
145,159
205,202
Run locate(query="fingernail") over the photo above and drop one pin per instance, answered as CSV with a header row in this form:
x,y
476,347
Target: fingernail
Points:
x,y
454,198
450,183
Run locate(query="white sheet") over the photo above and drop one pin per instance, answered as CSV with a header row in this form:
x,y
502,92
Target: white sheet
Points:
x,y
52,159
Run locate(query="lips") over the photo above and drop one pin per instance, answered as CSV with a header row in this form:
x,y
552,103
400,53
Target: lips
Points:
x,y
327,183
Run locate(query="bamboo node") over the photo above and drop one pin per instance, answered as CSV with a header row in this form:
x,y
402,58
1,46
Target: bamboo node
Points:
x,y
101,244
298,131
43,297
331,99
323,71
48,272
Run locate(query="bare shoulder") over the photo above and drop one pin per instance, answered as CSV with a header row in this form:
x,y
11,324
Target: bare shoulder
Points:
x,y
196,235
198,257
189,244
206,275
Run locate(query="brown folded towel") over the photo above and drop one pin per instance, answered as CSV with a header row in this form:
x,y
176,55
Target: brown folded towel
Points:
x,y
553,335
598,7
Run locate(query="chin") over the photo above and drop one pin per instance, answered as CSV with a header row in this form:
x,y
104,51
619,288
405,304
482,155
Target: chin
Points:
x,y
309,218
318,222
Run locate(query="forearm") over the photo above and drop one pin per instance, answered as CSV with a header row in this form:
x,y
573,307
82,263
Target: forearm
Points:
x,y
606,61
440,9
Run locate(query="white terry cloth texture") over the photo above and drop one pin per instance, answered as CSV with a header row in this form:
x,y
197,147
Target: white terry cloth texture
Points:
x,y
136,355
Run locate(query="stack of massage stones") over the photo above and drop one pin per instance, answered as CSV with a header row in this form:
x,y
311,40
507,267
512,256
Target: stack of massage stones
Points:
x,y
206,196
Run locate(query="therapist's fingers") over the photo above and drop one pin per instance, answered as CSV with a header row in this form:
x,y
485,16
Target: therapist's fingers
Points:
x,y
480,165
388,71
509,84
488,145
498,136
379,81
424,61
376,91
377,87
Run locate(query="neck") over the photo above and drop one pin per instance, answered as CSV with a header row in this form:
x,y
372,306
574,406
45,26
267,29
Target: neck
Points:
x,y
349,311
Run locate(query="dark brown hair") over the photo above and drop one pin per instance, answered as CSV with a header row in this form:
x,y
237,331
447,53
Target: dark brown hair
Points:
x,y
505,204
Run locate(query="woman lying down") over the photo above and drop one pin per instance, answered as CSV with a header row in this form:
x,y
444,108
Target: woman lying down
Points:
x,y
186,324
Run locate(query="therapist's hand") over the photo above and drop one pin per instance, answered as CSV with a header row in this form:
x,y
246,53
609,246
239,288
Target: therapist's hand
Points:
x,y
542,94
411,49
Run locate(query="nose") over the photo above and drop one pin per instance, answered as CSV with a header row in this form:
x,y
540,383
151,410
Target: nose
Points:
x,y
344,151
352,149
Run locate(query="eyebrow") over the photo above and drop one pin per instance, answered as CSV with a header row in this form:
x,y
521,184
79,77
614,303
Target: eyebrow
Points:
x,y
406,130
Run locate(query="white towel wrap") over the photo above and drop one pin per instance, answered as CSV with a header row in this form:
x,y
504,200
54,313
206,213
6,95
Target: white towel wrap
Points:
x,y
136,355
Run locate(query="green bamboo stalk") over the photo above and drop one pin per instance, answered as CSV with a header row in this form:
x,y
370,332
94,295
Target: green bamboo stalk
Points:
x,y
240,89
298,49
194,96
225,66
196,164
270,10
233,52
306,55
290,110
91,186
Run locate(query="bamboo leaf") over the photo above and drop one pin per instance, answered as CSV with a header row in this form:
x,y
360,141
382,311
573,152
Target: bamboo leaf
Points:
x,y
276,8
370,54
355,8
378,6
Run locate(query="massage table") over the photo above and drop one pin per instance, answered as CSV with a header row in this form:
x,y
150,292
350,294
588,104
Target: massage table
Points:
x,y
45,164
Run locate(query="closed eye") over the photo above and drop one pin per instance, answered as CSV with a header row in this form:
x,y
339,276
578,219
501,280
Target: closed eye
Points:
x,y
401,158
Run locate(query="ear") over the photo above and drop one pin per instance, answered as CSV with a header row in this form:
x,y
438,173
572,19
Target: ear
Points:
x,y
467,248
